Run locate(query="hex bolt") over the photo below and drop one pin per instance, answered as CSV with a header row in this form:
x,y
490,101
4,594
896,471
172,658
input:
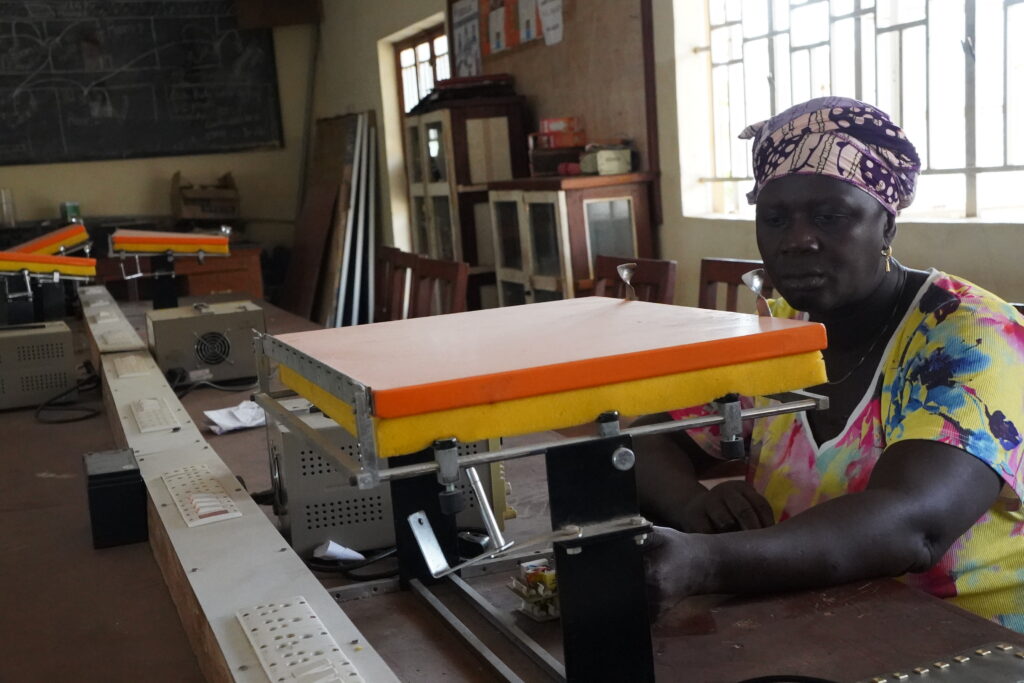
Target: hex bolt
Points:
x,y
623,459
641,539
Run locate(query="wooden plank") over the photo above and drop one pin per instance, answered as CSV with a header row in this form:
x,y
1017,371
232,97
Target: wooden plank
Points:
x,y
311,232
333,160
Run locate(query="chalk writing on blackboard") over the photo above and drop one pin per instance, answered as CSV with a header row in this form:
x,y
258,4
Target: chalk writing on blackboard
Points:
x,y
83,80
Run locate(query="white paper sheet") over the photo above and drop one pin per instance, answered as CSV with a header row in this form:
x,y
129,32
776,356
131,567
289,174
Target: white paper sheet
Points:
x,y
243,416
551,20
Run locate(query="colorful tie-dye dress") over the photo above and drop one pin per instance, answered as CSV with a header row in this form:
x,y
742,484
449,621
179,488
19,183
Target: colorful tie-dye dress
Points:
x,y
953,372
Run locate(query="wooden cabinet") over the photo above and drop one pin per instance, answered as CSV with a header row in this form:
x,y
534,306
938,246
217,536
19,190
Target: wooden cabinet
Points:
x,y
547,231
452,153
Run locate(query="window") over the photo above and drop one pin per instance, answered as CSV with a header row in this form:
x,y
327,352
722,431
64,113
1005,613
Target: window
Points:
x,y
943,69
422,61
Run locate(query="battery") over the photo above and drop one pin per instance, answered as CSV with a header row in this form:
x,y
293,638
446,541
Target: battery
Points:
x,y
117,498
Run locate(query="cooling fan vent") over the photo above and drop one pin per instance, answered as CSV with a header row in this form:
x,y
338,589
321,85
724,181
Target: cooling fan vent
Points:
x,y
212,348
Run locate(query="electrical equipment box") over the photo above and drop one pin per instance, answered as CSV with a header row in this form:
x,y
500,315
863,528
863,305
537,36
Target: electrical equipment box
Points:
x,y
316,503
117,498
37,362
207,341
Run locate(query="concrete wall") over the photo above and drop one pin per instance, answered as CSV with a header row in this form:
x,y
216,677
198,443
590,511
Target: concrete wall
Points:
x,y
268,181
988,254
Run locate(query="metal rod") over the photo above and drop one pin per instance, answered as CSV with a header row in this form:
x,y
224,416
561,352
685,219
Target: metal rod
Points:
x,y
484,504
662,428
467,635
528,645
343,460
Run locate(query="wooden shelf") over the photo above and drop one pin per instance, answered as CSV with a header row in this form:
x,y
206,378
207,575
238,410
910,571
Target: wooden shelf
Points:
x,y
578,182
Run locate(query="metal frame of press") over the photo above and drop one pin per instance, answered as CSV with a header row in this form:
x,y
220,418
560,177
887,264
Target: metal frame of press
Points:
x,y
597,534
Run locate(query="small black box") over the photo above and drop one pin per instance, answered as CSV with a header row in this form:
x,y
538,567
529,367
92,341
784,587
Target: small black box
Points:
x,y
117,498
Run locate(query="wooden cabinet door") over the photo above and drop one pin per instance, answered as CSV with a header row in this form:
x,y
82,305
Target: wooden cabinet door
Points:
x,y
546,237
511,251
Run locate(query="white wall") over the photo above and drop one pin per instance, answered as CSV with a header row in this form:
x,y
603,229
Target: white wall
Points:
x,y
988,254
354,58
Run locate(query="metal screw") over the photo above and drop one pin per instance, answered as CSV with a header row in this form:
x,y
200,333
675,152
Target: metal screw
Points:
x,y
623,459
574,551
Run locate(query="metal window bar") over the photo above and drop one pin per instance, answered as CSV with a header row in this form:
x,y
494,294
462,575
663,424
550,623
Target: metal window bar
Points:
x,y
861,36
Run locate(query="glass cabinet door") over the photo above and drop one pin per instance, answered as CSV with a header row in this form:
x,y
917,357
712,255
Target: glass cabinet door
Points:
x,y
547,245
610,227
511,258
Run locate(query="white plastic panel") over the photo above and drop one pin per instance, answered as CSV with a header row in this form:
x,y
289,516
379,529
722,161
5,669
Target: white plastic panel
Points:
x,y
152,414
293,644
200,498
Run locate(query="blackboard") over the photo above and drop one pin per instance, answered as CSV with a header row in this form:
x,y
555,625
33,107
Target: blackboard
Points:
x,y
85,80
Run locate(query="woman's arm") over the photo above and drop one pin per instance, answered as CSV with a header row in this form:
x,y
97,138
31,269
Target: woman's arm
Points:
x,y
922,496
670,494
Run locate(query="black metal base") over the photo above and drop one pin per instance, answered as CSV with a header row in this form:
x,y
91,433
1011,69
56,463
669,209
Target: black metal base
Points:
x,y
412,495
602,595
165,285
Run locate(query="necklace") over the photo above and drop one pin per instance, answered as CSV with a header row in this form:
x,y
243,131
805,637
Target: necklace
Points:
x,y
881,331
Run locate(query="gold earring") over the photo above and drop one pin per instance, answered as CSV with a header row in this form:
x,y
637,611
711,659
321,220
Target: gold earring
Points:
x,y
887,253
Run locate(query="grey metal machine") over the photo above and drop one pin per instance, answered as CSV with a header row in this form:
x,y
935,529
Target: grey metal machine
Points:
x,y
206,341
315,501
37,362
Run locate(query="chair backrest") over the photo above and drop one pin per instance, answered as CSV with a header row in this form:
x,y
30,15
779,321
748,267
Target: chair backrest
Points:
x,y
727,271
654,279
437,287
392,274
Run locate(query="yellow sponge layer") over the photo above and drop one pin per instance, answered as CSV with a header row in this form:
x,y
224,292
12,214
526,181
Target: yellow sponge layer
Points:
x,y
47,267
402,435
176,247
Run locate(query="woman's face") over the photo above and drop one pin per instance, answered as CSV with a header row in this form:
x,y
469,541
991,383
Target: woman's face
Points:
x,y
821,241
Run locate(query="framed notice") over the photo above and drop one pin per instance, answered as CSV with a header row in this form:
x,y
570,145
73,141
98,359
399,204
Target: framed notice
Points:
x,y
466,38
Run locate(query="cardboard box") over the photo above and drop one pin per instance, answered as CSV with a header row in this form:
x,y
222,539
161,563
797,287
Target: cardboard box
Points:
x,y
211,202
561,124
577,138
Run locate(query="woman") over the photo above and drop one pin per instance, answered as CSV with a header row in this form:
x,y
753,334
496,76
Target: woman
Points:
x,y
916,468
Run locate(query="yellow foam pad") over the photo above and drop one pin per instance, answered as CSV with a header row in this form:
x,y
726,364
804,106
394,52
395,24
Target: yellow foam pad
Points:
x,y
402,435
175,247
78,267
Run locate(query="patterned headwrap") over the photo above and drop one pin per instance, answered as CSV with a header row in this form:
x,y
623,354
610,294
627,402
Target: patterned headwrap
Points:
x,y
841,138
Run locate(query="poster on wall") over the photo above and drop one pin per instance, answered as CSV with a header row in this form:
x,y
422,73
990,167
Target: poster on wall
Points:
x,y
496,34
466,27
551,20
529,23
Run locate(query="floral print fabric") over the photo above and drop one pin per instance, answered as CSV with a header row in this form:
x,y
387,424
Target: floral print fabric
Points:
x,y
953,372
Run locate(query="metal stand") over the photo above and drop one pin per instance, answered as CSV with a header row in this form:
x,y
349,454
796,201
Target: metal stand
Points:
x,y
605,626
165,284
413,495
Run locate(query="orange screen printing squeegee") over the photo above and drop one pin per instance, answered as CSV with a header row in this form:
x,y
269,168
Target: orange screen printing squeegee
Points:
x,y
67,238
522,369
153,242
45,264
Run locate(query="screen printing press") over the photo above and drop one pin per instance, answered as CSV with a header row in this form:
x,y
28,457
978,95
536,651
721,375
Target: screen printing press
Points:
x,y
411,391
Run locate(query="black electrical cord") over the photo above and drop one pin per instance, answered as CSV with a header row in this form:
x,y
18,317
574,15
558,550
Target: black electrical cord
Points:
x,y
350,568
88,383
178,379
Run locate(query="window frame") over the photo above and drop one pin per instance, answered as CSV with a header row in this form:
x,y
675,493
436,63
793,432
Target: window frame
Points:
x,y
427,35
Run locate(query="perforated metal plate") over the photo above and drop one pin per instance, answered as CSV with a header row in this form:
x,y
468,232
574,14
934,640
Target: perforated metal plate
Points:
x,y
200,498
991,663
294,645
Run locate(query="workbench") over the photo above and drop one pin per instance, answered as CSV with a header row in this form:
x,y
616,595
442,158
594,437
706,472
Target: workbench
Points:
x,y
100,615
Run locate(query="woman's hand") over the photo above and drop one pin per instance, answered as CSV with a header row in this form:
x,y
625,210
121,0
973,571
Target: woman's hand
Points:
x,y
730,506
670,566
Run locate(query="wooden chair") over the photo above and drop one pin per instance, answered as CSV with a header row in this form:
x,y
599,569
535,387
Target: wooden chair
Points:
x,y
393,269
437,287
654,279
727,271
